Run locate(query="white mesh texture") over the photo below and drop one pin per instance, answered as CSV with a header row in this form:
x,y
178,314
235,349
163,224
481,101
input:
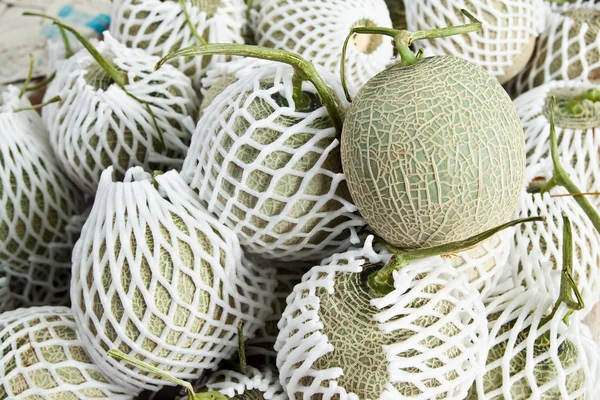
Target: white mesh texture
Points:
x,y
317,29
263,382
427,338
160,27
37,201
503,45
158,278
567,50
537,247
579,147
44,359
95,128
271,173
530,361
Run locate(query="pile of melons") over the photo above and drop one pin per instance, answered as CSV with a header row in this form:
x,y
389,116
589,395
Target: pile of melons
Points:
x,y
306,199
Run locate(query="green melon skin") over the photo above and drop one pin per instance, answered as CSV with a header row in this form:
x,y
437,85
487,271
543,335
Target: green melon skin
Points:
x,y
433,152
545,371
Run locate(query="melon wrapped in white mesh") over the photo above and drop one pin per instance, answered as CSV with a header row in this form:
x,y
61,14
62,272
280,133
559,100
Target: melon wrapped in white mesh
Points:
x,y
43,358
36,201
569,49
537,248
532,360
271,173
157,277
255,384
505,42
578,143
161,27
97,124
426,339
317,29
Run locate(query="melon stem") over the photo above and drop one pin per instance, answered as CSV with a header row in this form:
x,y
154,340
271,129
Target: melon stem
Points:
x,y
382,281
403,40
560,177
242,349
43,83
198,37
303,70
55,99
29,76
568,286
574,107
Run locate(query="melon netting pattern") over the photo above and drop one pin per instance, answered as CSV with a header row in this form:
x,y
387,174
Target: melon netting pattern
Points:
x,y
578,143
503,45
37,201
43,358
532,360
263,382
157,277
568,49
45,279
97,124
160,27
425,339
271,173
485,264
537,247
317,29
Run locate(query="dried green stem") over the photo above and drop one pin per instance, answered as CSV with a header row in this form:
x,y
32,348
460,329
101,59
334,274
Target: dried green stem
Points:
x,y
43,83
55,99
65,38
560,177
303,70
403,39
29,76
198,37
382,281
242,348
575,194
568,286
119,355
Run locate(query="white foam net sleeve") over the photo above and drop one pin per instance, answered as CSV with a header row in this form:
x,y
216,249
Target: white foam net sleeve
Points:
x,y
578,144
426,339
43,358
537,247
271,173
568,49
485,264
155,276
36,200
160,27
97,124
532,360
252,385
317,29
503,45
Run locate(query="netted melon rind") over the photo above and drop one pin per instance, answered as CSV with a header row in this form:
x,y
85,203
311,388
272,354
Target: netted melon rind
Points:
x,y
157,277
160,27
94,128
427,338
555,361
273,174
504,44
37,201
316,30
578,147
536,248
433,153
569,50
43,358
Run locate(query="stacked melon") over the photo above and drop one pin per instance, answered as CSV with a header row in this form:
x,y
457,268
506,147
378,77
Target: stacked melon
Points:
x,y
311,217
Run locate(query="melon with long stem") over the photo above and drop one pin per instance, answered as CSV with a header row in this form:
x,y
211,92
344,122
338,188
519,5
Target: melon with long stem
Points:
x,y
315,29
502,47
432,148
42,357
265,157
569,49
158,278
537,349
35,198
160,27
115,110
